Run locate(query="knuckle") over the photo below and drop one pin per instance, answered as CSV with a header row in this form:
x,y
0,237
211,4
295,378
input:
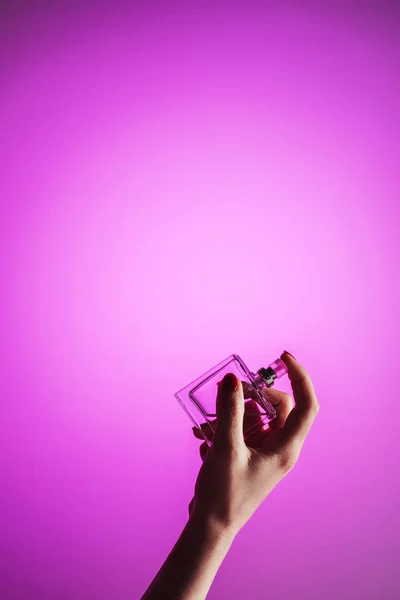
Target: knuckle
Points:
x,y
315,408
312,410
203,450
287,460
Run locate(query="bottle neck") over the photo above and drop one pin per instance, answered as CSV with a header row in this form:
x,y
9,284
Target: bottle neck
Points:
x,y
268,375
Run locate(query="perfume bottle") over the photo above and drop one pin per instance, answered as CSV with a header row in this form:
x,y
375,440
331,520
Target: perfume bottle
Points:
x,y
198,399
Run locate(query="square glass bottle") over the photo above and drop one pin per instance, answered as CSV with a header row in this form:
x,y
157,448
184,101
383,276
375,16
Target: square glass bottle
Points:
x,y
198,398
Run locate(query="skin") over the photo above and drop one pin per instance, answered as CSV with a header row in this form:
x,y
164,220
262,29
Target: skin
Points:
x,y
235,478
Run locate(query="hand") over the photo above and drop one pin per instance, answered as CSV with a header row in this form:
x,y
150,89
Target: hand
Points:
x,y
237,475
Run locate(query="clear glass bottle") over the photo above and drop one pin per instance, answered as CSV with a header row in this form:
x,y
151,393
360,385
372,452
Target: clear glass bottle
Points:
x,y
198,399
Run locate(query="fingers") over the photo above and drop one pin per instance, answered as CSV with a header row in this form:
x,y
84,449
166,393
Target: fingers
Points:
x,y
254,419
255,424
248,390
206,430
254,416
197,433
230,412
302,416
203,450
282,403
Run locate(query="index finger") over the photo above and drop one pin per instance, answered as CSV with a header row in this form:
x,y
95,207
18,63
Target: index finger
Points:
x,y
306,408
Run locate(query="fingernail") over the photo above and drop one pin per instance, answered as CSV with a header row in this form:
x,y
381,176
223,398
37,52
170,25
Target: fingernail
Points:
x,y
229,383
286,352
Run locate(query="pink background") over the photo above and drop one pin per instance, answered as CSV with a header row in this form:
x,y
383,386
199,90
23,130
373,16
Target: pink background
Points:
x,y
180,182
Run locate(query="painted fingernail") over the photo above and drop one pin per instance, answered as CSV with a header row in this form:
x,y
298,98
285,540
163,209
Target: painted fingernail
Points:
x,y
286,352
229,383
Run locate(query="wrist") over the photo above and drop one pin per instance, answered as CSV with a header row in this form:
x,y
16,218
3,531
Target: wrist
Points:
x,y
211,531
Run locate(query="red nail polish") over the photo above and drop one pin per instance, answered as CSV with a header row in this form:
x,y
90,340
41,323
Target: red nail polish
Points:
x,y
230,383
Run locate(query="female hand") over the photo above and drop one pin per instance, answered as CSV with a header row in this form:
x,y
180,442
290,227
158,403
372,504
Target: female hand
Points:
x,y
234,479
237,475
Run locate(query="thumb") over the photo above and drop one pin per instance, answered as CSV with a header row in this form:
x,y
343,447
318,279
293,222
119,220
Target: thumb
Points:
x,y
230,413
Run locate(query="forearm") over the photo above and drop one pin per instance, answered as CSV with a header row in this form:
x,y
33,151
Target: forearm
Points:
x,y
189,570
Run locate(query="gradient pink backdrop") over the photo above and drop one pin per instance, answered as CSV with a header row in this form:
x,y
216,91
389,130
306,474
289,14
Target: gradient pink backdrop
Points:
x,y
180,182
